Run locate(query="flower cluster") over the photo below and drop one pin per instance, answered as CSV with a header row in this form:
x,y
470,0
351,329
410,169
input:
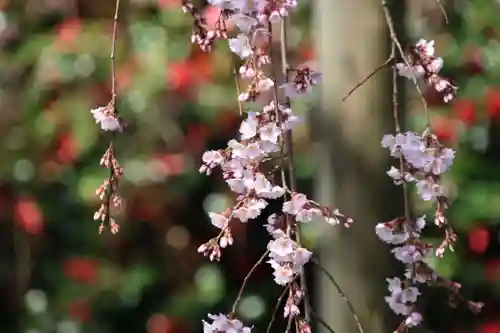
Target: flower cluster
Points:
x,y
303,80
422,160
423,64
247,168
107,192
221,323
412,251
286,256
108,119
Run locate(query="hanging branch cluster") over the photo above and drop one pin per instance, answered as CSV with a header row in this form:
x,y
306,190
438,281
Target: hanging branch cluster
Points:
x,y
265,138
258,166
422,161
108,119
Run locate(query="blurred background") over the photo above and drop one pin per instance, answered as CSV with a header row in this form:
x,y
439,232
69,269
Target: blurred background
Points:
x,y
58,275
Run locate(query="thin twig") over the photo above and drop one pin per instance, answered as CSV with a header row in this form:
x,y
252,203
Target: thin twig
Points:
x,y
395,40
245,281
341,294
368,77
322,322
291,161
111,182
112,56
397,125
289,324
238,89
286,144
440,5
276,308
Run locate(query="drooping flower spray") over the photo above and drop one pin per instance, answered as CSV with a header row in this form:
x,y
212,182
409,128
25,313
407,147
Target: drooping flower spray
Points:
x,y
258,166
265,139
108,119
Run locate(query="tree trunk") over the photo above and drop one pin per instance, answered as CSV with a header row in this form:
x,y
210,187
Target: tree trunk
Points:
x,y
352,165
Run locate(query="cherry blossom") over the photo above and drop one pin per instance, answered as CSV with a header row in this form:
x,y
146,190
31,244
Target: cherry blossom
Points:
x,y
241,46
422,64
104,116
221,323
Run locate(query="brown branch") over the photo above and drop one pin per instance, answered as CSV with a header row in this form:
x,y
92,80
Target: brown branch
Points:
x,y
322,322
111,156
397,125
395,40
276,308
112,56
238,88
288,143
368,77
341,294
440,5
245,281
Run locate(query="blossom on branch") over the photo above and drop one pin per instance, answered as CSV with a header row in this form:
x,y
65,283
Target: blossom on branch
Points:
x,y
106,118
222,324
423,64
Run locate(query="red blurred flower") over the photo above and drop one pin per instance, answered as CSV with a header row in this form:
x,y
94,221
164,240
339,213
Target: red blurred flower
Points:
x,y
179,75
492,270
489,327
172,164
80,270
183,74
465,110
479,239
67,149
445,129
27,215
158,323
68,32
201,68
492,103
80,310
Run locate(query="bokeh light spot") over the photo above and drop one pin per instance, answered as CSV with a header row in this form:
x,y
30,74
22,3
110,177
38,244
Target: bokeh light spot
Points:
x,y
210,284
23,170
252,307
216,202
36,301
158,323
178,237
68,326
